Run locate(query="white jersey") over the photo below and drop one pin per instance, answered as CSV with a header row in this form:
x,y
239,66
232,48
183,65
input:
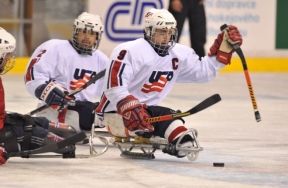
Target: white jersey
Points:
x,y
58,60
136,69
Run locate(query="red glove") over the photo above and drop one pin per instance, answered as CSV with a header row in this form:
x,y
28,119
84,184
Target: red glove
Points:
x,y
222,48
3,156
134,114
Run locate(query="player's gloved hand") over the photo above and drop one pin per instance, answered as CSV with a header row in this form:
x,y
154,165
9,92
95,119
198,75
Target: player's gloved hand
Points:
x,y
53,94
221,47
76,84
134,115
3,156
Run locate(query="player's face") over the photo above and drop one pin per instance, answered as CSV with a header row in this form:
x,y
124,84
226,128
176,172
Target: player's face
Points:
x,y
86,38
162,36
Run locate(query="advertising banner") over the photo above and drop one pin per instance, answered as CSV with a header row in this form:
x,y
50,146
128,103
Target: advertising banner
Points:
x,y
256,19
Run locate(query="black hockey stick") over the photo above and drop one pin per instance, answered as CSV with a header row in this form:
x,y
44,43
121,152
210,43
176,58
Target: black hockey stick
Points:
x,y
239,51
51,147
201,106
74,92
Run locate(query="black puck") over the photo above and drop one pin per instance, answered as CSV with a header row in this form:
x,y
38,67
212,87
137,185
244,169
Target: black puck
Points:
x,y
218,164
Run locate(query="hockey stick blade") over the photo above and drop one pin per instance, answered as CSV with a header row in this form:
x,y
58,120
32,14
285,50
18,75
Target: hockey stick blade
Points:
x,y
93,79
44,149
52,147
201,106
71,140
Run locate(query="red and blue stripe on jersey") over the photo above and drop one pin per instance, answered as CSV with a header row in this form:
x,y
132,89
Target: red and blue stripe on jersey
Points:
x,y
116,70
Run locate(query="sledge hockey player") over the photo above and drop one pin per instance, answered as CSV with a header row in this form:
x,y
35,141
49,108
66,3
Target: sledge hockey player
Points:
x,y
19,132
58,67
142,72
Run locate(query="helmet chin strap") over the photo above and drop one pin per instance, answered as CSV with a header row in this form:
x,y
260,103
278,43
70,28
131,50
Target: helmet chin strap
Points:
x,y
159,49
79,49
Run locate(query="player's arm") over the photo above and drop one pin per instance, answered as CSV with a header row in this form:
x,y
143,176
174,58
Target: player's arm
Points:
x,y
191,69
42,68
220,55
120,75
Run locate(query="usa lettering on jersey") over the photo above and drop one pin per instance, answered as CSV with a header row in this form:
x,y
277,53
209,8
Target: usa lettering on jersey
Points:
x,y
157,81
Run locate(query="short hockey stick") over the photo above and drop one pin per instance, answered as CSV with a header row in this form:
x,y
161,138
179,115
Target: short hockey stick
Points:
x,y
74,92
239,51
52,147
201,106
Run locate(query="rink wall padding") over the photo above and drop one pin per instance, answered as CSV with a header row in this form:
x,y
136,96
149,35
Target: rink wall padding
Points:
x,y
255,64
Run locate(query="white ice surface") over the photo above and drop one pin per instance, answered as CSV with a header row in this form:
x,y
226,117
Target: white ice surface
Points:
x,y
255,154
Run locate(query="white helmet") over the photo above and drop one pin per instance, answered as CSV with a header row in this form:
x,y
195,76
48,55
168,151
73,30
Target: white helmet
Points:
x,y
160,19
7,48
87,21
